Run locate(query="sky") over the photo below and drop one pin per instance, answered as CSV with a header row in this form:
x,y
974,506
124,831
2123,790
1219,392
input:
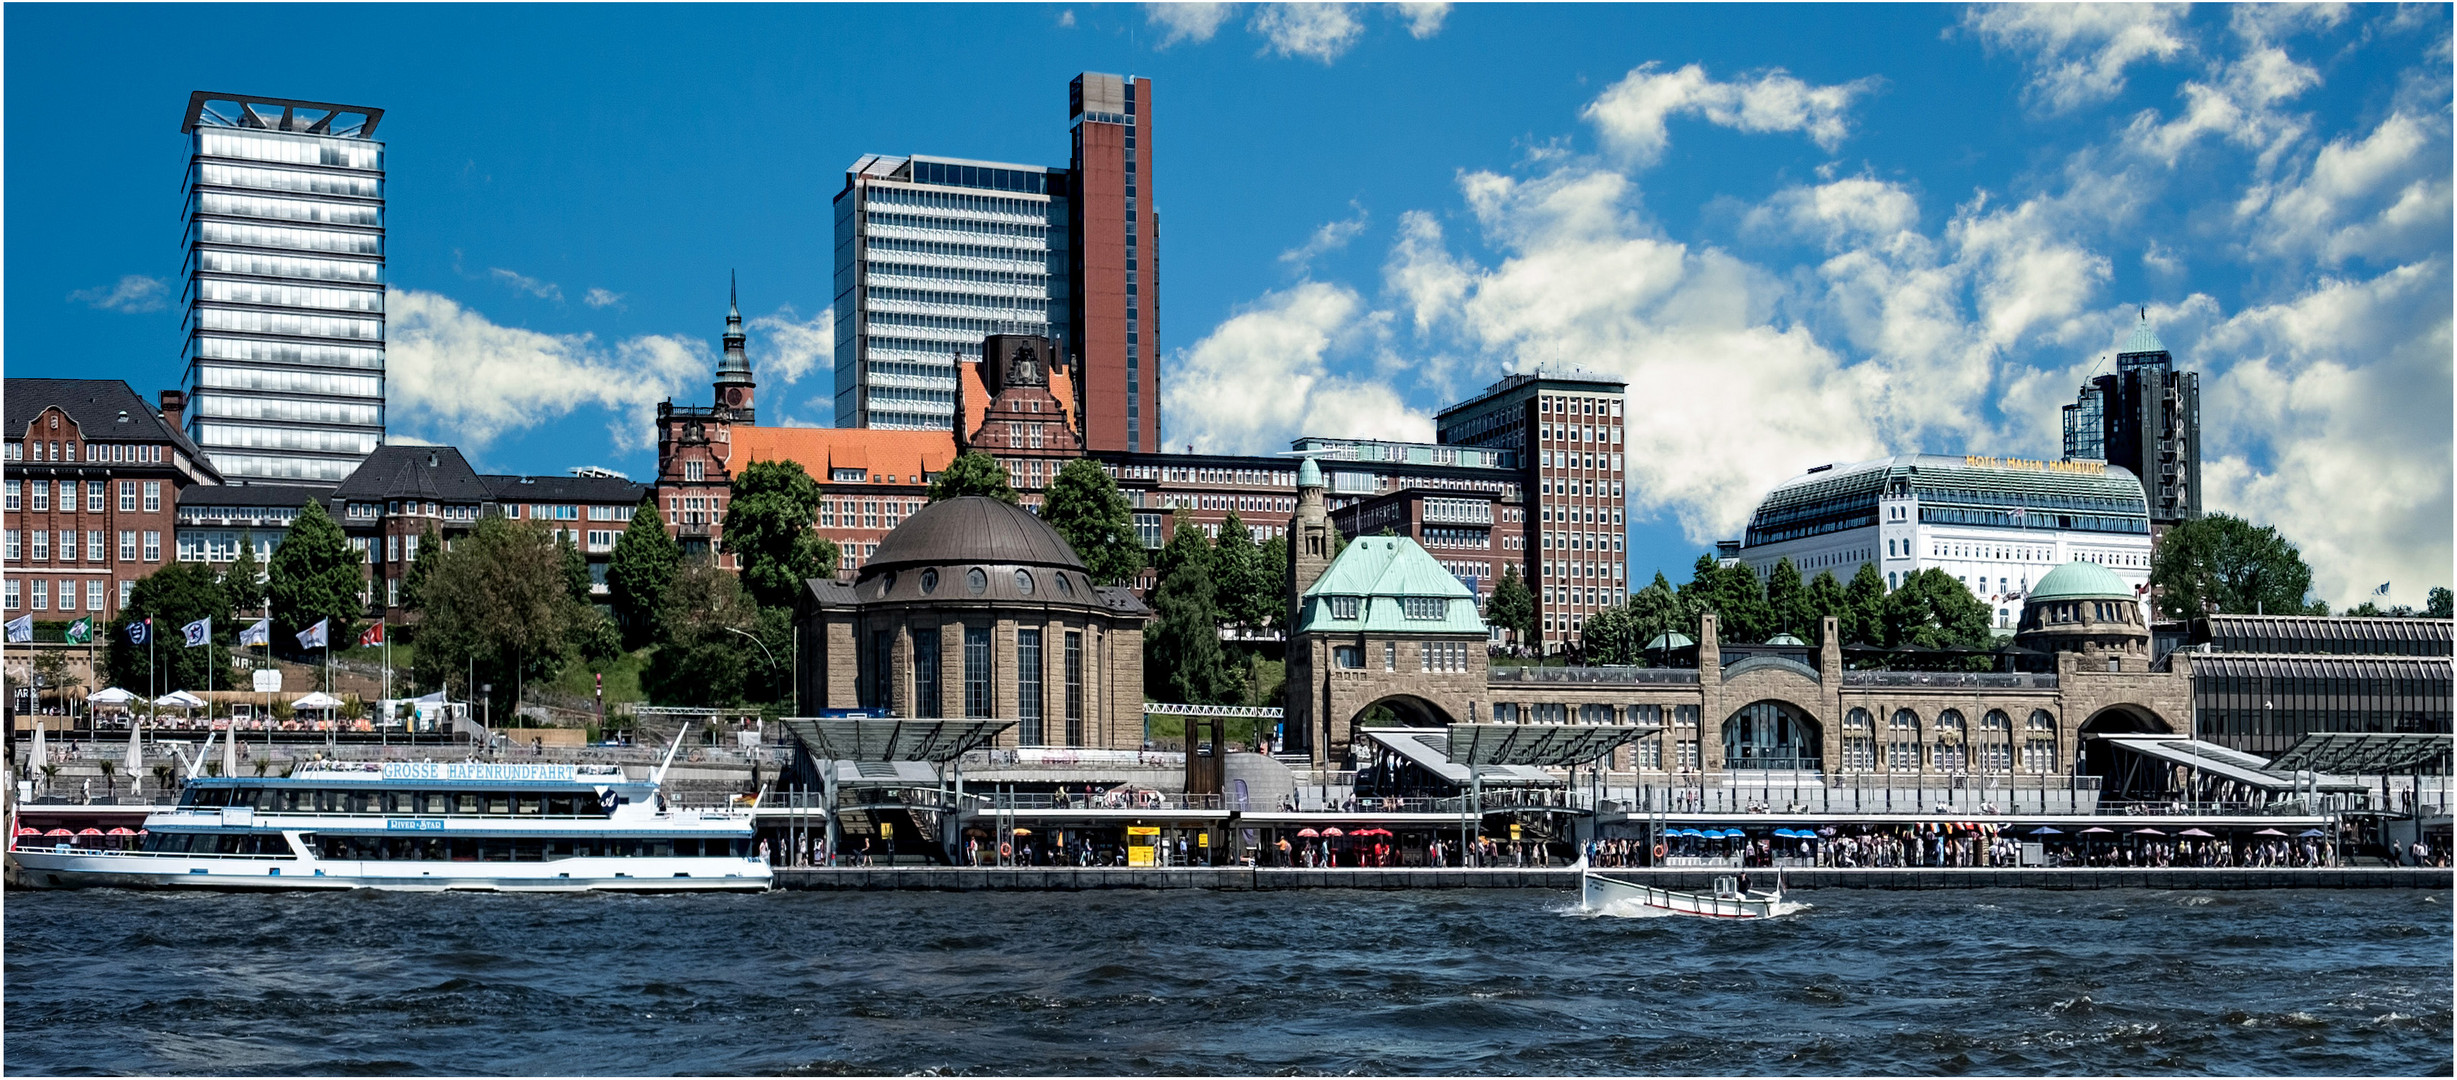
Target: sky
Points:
x,y
1804,234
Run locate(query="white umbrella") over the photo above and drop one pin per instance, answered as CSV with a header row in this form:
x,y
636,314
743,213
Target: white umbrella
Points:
x,y
42,756
136,753
317,700
230,749
180,699
112,696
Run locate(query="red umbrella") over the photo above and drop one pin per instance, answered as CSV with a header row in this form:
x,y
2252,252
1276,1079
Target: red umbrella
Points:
x,y
89,831
2195,832
59,832
2264,832
121,830
1308,832
30,830
2148,832
1333,831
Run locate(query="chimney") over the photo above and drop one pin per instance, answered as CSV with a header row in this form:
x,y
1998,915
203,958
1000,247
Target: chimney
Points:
x,y
173,403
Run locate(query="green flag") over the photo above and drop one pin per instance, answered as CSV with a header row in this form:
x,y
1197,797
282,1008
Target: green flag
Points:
x,y
81,631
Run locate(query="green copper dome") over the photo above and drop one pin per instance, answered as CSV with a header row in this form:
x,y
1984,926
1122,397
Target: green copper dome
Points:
x,y
1670,641
2080,581
1785,639
1309,474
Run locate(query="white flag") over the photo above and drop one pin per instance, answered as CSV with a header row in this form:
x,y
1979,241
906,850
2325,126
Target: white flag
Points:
x,y
314,636
198,632
21,628
259,634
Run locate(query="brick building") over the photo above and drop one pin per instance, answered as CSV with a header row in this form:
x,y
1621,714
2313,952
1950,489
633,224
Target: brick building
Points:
x,y
93,476
1565,431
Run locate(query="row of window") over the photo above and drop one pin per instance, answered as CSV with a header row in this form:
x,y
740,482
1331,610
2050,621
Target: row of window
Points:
x,y
41,548
67,450
1565,460
37,593
306,353
218,174
228,291
952,249
290,149
283,322
280,209
267,264
1031,661
321,440
36,495
287,237
305,410
1606,488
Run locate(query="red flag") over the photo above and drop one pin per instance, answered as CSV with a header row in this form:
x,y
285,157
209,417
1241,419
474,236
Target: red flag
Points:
x,y
373,636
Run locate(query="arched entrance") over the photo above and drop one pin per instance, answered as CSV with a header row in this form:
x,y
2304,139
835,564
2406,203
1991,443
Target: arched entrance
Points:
x,y
2092,756
1772,735
1401,710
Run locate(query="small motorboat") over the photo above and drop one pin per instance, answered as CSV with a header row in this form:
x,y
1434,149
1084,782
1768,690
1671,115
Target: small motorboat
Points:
x,y
1602,892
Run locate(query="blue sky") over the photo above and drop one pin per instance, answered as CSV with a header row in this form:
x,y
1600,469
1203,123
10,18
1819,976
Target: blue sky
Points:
x,y
1806,234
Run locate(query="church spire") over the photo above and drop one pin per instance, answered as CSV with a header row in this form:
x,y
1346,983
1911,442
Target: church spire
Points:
x,y
734,383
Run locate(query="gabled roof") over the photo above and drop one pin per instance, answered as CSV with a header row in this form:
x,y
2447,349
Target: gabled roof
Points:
x,y
903,456
588,489
95,405
415,472
1384,571
258,494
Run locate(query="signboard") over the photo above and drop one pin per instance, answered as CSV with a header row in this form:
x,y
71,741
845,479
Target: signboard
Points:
x,y
1202,839
1139,841
492,772
414,825
1514,830
887,830
1143,830
268,680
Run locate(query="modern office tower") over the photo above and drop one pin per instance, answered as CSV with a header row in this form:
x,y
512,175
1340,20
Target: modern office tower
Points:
x,y
2146,419
1566,428
284,295
1115,265
932,255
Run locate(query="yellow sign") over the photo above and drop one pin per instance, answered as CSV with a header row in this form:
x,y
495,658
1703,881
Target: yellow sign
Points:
x,y
1140,855
1514,830
887,830
1143,830
2085,468
1202,840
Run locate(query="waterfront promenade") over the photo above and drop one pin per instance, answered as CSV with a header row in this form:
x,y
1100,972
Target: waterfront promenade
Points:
x,y
1273,879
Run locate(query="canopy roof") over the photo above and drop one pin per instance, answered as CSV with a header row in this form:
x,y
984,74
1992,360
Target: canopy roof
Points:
x,y
2363,753
1554,745
858,739
317,700
1427,749
2225,762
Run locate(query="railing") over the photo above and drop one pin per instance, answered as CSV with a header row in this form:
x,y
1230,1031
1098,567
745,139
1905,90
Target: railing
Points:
x,y
1125,800
1971,796
1990,680
1070,755
1368,804
1660,676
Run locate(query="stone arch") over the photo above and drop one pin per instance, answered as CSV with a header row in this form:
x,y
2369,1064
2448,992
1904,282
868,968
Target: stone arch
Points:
x,y
2092,756
1408,710
1771,733
1951,744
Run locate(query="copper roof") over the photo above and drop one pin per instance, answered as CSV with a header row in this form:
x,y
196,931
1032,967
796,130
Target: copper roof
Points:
x,y
972,529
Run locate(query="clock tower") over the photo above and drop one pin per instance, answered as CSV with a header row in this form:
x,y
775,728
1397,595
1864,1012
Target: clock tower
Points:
x,y
734,384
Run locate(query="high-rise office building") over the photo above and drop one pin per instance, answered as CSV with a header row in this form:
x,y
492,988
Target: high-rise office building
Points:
x,y
283,322
1115,267
2145,418
1566,429
932,255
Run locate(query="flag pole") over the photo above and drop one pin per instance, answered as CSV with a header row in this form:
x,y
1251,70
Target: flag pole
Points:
x,y
383,693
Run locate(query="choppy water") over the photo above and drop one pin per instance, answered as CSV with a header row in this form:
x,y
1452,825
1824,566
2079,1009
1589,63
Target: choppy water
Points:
x,y
1172,982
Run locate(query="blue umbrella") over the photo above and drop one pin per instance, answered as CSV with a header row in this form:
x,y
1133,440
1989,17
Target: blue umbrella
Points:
x,y
1733,834
2047,830
2311,832
1785,833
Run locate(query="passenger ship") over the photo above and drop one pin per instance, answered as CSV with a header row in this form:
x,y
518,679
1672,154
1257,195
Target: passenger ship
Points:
x,y
420,826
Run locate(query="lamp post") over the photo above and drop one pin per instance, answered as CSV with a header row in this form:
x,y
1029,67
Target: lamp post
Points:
x,y
763,647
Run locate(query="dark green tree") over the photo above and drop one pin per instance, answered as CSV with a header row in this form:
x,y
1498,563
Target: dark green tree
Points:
x,y
315,575
1657,610
1249,588
1187,546
700,661
1611,636
1787,600
575,566
243,580
2440,606
645,559
1513,607
1933,610
1826,597
500,601
1863,614
2233,565
975,472
770,528
414,580
1085,506
173,597
1181,652
1734,595
1274,559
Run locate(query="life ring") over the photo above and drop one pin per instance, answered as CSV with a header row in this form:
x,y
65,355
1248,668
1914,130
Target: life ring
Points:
x,y
1005,849
695,755
1659,851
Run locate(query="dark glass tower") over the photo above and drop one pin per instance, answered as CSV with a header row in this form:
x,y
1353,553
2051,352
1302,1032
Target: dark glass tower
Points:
x,y
2145,418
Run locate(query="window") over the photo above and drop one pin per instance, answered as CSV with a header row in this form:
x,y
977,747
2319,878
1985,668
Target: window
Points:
x,y
976,670
127,546
1345,607
153,496
1859,754
1028,662
695,471
1074,686
1902,748
1348,657
42,495
14,495
153,545
42,595
1424,608
15,546
42,544
93,595
127,496
926,701
1390,656
8,594
97,546
126,589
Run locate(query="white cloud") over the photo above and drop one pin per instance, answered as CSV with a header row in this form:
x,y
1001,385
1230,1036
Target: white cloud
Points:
x,y
784,347
1632,113
458,378
1260,378
602,298
2385,194
1316,31
130,295
1067,17
1329,237
1191,21
2077,53
1424,19
543,290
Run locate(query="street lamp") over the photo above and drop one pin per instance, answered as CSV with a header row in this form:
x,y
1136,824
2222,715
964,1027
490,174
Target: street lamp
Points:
x,y
763,647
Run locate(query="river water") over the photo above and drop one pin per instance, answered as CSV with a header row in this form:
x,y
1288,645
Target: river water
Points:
x,y
1995,981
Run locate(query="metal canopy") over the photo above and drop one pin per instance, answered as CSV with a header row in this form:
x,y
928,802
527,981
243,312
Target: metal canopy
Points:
x,y
1541,745
2362,753
853,739
2225,763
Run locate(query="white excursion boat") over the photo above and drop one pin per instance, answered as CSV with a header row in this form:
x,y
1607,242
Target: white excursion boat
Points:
x,y
419,826
1601,892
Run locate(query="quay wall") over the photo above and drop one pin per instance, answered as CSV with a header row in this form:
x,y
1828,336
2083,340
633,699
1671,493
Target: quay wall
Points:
x,y
1244,879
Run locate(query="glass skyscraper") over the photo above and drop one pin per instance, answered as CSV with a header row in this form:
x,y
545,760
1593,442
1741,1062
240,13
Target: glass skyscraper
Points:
x,y
932,255
283,320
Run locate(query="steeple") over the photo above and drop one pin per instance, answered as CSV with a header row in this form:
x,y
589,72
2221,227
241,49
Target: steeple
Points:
x,y
734,384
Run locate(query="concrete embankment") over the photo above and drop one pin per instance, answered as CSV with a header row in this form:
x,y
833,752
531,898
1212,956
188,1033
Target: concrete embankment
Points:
x,y
1068,879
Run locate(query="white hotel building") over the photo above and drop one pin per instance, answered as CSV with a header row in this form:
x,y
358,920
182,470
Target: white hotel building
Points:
x,y
1996,524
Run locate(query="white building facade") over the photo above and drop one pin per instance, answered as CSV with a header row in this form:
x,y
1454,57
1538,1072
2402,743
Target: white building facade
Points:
x,y
1998,525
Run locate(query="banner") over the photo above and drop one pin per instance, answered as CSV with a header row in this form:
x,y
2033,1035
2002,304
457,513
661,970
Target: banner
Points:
x,y
21,628
140,632
81,631
316,635
373,636
199,632
259,634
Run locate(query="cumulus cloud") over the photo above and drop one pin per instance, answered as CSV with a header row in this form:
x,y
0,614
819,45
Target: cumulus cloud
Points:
x,y
1330,236
130,295
543,290
1424,19
2077,53
1631,115
602,298
784,347
459,378
1316,31
1193,21
2385,194
1261,378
